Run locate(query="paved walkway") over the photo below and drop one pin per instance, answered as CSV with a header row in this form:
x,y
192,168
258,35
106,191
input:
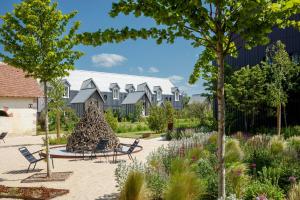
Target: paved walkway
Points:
x,y
91,179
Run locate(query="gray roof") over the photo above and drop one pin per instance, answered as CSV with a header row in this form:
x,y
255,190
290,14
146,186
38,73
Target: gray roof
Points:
x,y
133,97
156,88
86,83
197,98
83,95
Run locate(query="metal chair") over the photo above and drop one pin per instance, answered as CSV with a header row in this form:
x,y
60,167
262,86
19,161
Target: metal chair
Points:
x,y
2,136
125,149
30,157
101,147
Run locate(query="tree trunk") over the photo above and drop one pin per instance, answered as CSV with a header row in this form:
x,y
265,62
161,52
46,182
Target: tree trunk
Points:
x,y
47,130
284,115
57,124
245,122
221,122
278,119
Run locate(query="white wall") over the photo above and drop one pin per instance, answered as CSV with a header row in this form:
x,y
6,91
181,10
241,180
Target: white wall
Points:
x,y
24,119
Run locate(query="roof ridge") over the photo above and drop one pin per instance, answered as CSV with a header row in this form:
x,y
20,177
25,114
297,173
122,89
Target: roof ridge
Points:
x,y
132,75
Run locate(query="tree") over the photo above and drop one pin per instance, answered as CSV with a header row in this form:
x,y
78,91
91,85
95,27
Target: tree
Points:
x,y
57,103
213,24
280,70
246,90
157,120
36,39
111,119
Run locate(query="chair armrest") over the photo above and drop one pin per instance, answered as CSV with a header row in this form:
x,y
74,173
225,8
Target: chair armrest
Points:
x,y
37,152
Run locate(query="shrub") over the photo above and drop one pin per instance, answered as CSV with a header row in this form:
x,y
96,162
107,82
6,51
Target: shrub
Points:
x,y
56,141
184,186
256,189
294,144
237,179
276,145
156,183
270,175
233,151
111,120
294,193
122,171
194,154
157,120
169,112
134,187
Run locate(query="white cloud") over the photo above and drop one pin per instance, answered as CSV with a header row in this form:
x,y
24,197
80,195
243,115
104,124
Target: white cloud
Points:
x,y
175,78
108,60
140,69
153,70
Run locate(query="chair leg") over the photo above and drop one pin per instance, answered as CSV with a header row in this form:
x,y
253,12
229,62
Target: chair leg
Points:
x,y
34,166
52,163
28,168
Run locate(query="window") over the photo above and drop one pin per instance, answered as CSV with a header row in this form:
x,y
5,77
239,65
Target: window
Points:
x,y
67,92
115,93
105,97
176,96
158,95
131,90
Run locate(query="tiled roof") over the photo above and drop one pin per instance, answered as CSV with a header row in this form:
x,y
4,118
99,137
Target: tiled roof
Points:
x,y
103,81
14,84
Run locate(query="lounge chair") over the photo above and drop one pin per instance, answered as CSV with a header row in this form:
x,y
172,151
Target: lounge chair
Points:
x,y
30,157
101,147
2,136
125,149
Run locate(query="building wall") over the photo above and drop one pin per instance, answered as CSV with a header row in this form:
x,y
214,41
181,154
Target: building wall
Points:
x,y
24,119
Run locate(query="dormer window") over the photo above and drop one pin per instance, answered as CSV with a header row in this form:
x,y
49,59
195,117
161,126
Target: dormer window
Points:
x,y
116,93
176,96
158,97
131,90
66,92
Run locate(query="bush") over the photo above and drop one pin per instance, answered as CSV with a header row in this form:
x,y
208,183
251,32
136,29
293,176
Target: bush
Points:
x,y
157,120
276,145
134,187
233,151
294,145
111,120
61,140
270,175
184,186
256,189
294,193
156,183
237,179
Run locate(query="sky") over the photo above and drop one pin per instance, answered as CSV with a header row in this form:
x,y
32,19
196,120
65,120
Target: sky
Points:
x,y
140,57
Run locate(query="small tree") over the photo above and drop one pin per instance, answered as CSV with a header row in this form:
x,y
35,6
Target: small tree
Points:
x,y
246,91
111,119
157,120
57,103
169,111
34,37
136,114
280,70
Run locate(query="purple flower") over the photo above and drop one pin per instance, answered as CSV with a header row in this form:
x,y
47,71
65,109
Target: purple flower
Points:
x,y
261,197
292,179
194,158
253,165
238,172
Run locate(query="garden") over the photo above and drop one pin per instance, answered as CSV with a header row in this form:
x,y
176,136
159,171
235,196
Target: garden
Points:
x,y
258,167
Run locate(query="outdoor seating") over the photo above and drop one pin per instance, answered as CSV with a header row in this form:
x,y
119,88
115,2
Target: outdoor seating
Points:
x,y
125,149
31,158
2,136
101,147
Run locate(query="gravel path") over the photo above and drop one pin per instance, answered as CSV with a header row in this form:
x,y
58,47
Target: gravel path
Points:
x,y
91,179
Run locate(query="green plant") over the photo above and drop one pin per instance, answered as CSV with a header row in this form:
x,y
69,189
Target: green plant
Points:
x,y
294,193
294,144
237,179
157,120
134,187
270,174
122,171
111,119
277,145
61,140
256,189
233,152
156,183
184,186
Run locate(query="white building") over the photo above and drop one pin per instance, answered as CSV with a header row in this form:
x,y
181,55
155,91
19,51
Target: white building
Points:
x,y
18,102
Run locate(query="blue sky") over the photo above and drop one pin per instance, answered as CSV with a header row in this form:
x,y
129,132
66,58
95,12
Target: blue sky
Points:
x,y
141,57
